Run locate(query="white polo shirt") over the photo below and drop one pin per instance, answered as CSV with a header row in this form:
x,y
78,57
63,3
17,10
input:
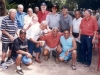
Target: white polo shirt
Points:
x,y
34,32
76,24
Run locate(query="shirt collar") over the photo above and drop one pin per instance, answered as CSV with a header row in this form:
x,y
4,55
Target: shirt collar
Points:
x,y
20,13
88,19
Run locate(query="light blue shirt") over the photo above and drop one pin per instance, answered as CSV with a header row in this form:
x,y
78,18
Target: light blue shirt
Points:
x,y
66,43
20,19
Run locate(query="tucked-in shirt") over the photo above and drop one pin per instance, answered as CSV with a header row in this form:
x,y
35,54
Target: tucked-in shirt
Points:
x,y
88,26
53,20
9,26
66,43
18,44
76,25
34,32
65,22
20,19
42,16
50,40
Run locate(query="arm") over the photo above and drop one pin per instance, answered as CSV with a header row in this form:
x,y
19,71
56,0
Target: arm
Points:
x,y
71,24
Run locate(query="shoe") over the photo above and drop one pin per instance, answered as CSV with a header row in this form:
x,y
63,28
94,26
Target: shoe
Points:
x,y
73,67
4,66
47,57
87,65
10,61
20,72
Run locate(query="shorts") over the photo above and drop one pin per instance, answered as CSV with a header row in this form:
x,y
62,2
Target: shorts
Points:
x,y
66,57
5,47
50,49
25,59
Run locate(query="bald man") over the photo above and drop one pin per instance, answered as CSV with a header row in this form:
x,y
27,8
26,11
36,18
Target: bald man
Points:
x,y
52,41
28,17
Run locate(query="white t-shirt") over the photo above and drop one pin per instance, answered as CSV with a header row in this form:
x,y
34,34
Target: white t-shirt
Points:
x,y
34,32
76,24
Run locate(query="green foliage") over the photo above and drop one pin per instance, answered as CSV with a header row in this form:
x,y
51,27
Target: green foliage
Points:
x,y
9,6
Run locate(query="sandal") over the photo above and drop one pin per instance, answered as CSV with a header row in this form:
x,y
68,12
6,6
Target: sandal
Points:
x,y
47,57
39,61
73,67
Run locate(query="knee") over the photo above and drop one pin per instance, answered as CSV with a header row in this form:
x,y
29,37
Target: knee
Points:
x,y
59,50
74,53
29,63
61,59
45,52
19,56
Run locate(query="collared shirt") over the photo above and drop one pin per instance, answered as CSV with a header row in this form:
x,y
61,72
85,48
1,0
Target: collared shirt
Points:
x,y
52,41
20,19
88,26
34,32
53,20
9,26
76,24
42,16
65,22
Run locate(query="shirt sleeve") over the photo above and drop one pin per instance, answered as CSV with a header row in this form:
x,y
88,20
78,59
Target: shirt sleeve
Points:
x,y
3,27
47,19
16,45
70,21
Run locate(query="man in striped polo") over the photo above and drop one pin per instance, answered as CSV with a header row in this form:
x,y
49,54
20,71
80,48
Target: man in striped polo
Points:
x,y
8,28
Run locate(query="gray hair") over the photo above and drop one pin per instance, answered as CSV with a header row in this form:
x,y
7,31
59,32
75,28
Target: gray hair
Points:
x,y
44,22
55,28
20,5
12,10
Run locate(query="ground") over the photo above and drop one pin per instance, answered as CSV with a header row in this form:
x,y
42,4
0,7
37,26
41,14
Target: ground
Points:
x,y
51,68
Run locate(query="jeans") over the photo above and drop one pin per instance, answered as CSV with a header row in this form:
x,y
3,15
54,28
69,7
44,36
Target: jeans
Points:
x,y
86,49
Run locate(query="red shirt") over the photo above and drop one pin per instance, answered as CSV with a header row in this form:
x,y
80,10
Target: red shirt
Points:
x,y
52,41
88,26
42,16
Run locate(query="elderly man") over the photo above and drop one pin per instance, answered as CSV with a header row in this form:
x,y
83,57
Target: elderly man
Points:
x,y
52,41
8,28
33,34
28,18
20,51
53,18
65,20
20,16
43,13
88,29
69,46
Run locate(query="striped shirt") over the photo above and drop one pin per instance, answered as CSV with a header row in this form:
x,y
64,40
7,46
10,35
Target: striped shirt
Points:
x,y
9,26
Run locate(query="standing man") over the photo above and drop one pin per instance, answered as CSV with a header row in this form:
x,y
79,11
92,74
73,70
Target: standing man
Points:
x,y
43,13
65,20
8,28
76,28
88,29
36,10
33,35
53,18
20,52
20,17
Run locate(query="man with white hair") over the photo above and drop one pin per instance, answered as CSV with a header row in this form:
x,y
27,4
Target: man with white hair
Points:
x,y
20,16
52,41
33,34
8,28
28,17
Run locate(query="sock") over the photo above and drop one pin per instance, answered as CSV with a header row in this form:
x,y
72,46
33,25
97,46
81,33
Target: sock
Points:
x,y
8,58
2,62
19,68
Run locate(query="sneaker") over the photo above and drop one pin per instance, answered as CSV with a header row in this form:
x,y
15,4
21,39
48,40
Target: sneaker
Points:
x,y
20,72
4,66
10,61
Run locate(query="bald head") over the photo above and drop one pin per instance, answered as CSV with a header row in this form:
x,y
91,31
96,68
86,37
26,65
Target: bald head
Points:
x,y
30,11
55,31
44,25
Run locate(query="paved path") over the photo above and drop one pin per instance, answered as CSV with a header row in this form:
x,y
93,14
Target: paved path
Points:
x,y
51,68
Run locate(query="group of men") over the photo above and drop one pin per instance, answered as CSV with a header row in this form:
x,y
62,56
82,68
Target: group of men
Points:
x,y
47,32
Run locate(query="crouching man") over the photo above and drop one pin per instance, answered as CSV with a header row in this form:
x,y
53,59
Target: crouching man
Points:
x,y
20,52
68,44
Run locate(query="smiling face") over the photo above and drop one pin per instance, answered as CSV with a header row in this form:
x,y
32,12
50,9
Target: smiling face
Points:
x,y
54,9
66,34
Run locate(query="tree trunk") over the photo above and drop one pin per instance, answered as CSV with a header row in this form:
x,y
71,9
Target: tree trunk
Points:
x,y
2,8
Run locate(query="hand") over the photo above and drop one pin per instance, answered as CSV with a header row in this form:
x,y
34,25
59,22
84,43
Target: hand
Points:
x,y
93,40
29,55
79,38
30,25
67,53
11,38
37,45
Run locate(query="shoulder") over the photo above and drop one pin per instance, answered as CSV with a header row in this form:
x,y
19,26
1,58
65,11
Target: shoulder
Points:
x,y
16,40
69,16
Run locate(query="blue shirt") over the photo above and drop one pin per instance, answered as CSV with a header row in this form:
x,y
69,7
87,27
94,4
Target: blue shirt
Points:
x,y
20,19
66,43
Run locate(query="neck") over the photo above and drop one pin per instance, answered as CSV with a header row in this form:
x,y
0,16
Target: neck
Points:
x,y
65,15
43,11
87,18
78,18
21,39
12,19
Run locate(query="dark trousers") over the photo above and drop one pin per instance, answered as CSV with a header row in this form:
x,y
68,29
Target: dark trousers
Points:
x,y
79,59
86,49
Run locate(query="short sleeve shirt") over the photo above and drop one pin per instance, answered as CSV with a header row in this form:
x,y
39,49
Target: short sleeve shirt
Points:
x,y
65,22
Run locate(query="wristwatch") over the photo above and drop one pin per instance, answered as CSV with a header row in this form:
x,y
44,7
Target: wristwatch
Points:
x,y
68,50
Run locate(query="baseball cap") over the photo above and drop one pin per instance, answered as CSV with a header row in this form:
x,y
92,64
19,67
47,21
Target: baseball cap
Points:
x,y
43,4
